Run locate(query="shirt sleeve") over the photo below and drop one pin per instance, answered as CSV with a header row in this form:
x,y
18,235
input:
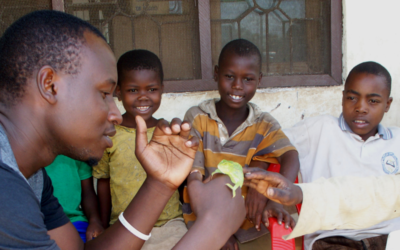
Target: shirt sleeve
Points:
x,y
347,203
102,170
84,170
193,117
54,215
22,225
274,142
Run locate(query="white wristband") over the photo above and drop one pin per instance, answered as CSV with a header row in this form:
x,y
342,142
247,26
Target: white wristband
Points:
x,y
132,229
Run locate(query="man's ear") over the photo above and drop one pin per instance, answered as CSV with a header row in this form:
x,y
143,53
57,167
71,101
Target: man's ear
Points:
x,y
118,92
46,82
389,102
216,73
259,79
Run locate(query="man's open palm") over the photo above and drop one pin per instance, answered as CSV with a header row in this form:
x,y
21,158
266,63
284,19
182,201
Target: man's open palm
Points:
x,y
169,156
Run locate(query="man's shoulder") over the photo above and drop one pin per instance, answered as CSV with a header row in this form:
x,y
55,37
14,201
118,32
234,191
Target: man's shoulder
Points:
x,y
20,212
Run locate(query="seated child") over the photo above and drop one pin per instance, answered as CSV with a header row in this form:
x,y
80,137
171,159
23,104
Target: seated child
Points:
x,y
73,187
353,144
140,86
234,129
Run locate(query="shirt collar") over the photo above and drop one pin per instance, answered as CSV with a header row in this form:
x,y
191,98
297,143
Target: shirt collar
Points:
x,y
384,132
208,106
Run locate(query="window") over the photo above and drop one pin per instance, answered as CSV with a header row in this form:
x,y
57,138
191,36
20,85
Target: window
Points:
x,y
167,28
300,40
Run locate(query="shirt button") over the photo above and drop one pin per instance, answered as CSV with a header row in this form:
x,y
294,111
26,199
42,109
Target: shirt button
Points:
x,y
222,139
220,125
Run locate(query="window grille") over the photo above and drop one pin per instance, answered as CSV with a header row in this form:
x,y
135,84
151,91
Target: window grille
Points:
x,y
167,28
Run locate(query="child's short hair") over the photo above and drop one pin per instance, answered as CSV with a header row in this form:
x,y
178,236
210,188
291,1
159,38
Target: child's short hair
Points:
x,y
373,68
240,47
138,60
40,38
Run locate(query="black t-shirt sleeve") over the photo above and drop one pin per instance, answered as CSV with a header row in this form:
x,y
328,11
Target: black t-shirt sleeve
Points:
x,y
21,221
54,215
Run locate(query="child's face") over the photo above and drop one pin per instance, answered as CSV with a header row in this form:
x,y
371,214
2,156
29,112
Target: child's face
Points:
x,y
238,78
140,92
365,100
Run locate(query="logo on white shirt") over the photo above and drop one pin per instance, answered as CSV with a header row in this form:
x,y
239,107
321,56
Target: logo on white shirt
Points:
x,y
390,163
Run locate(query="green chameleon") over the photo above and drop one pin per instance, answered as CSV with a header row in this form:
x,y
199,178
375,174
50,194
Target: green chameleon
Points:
x,y
234,171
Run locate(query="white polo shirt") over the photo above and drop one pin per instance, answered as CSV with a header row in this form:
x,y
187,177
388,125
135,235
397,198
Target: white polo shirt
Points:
x,y
328,148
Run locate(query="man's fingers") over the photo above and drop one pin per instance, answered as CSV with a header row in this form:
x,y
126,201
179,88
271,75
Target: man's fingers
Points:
x,y
194,183
185,129
176,126
279,196
236,246
279,217
194,175
162,128
193,143
271,177
209,178
141,134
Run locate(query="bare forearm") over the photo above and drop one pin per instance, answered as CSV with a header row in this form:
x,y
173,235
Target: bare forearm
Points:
x,y
104,194
290,165
142,213
89,201
206,233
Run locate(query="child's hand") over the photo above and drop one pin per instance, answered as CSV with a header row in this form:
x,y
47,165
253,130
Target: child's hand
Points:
x,y
93,230
273,186
169,156
276,210
231,244
255,204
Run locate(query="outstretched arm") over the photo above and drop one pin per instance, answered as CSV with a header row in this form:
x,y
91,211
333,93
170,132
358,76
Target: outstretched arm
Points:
x,y
218,214
335,203
167,160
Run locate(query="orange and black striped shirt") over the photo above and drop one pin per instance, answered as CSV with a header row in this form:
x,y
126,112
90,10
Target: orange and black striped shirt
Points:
x,y
258,138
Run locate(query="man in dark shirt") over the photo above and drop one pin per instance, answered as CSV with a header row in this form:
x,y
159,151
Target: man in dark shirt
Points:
x,y
57,76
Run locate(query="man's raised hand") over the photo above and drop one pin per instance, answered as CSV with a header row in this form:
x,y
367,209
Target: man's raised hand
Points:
x,y
169,156
273,186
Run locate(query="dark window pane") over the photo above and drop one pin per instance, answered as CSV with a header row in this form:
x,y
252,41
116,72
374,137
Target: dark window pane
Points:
x,y
293,35
170,29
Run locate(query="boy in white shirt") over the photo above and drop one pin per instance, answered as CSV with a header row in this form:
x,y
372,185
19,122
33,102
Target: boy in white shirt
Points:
x,y
353,144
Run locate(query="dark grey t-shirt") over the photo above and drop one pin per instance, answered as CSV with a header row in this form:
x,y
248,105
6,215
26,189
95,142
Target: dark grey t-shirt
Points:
x,y
27,209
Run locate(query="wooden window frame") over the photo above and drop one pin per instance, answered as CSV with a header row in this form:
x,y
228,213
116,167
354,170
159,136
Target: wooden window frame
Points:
x,y
207,83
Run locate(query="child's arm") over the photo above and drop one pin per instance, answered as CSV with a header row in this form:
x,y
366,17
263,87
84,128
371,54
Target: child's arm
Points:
x,y
290,166
104,194
256,202
91,209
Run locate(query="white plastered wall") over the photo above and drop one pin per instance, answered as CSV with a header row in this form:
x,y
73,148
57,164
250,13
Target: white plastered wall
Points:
x,y
370,33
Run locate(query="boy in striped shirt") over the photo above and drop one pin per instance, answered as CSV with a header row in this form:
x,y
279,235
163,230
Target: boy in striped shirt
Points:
x,y
234,129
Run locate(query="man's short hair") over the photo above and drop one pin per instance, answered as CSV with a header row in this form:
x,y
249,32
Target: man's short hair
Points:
x,y
38,39
240,47
138,60
373,68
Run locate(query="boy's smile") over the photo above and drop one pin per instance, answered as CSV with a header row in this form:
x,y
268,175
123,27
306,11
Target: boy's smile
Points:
x,y
140,92
238,78
365,100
